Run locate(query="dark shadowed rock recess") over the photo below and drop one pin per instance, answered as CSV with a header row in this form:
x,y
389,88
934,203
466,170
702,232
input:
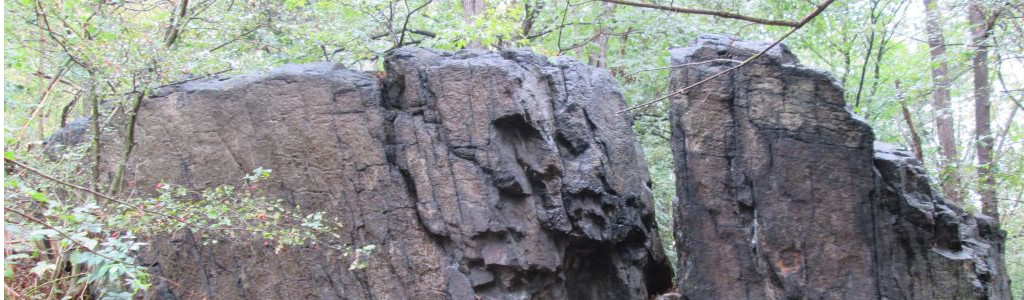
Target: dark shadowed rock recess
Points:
x,y
477,175
783,194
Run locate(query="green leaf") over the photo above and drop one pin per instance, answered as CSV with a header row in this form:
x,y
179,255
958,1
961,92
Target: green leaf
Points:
x,y
88,242
42,267
39,196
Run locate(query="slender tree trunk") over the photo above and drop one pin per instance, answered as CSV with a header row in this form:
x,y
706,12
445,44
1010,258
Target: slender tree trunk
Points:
x,y
175,27
529,18
471,10
600,59
94,109
42,65
129,143
941,102
982,111
867,55
915,138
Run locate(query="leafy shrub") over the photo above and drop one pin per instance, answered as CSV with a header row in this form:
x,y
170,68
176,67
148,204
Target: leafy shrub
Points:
x,y
63,240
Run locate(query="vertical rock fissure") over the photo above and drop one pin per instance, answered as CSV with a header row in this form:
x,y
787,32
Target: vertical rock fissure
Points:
x,y
874,196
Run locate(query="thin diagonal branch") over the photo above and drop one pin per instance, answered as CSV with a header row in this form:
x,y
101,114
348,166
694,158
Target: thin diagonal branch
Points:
x,y
721,14
405,23
684,65
64,234
817,11
46,95
88,190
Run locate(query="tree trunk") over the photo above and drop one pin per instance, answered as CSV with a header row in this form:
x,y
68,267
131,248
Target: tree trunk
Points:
x,y
941,102
600,59
471,10
982,111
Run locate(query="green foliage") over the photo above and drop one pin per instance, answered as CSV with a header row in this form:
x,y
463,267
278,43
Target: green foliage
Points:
x,y
98,240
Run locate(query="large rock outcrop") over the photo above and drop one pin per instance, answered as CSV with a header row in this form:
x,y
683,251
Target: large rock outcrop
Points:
x,y
783,195
477,175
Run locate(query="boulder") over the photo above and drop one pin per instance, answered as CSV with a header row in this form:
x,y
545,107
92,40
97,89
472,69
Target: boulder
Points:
x,y
476,175
782,194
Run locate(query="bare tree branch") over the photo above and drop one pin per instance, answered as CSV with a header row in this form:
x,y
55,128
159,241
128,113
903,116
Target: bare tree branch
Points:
x,y
721,14
807,19
685,65
405,23
240,36
64,234
42,99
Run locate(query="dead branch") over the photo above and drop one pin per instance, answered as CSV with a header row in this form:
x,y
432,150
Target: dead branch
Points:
x,y
405,23
42,99
240,36
807,19
915,138
721,14
62,233
685,65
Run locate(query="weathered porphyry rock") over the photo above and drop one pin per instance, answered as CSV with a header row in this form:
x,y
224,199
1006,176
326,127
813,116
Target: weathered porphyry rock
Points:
x,y
928,248
782,195
477,175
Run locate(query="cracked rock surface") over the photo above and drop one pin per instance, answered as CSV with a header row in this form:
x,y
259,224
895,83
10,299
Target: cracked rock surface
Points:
x,y
477,175
783,194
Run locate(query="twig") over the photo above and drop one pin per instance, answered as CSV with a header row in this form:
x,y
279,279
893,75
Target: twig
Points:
x,y
240,36
62,233
67,110
61,80
914,137
702,101
65,235
88,190
405,23
685,65
999,75
582,43
720,14
197,78
562,26
803,22
1006,129
51,178
44,97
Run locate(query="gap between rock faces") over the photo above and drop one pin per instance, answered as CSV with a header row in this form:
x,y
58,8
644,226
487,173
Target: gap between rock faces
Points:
x,y
783,195
504,175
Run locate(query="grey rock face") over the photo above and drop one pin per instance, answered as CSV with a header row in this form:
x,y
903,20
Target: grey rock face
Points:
x,y
929,248
476,175
781,194
72,134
